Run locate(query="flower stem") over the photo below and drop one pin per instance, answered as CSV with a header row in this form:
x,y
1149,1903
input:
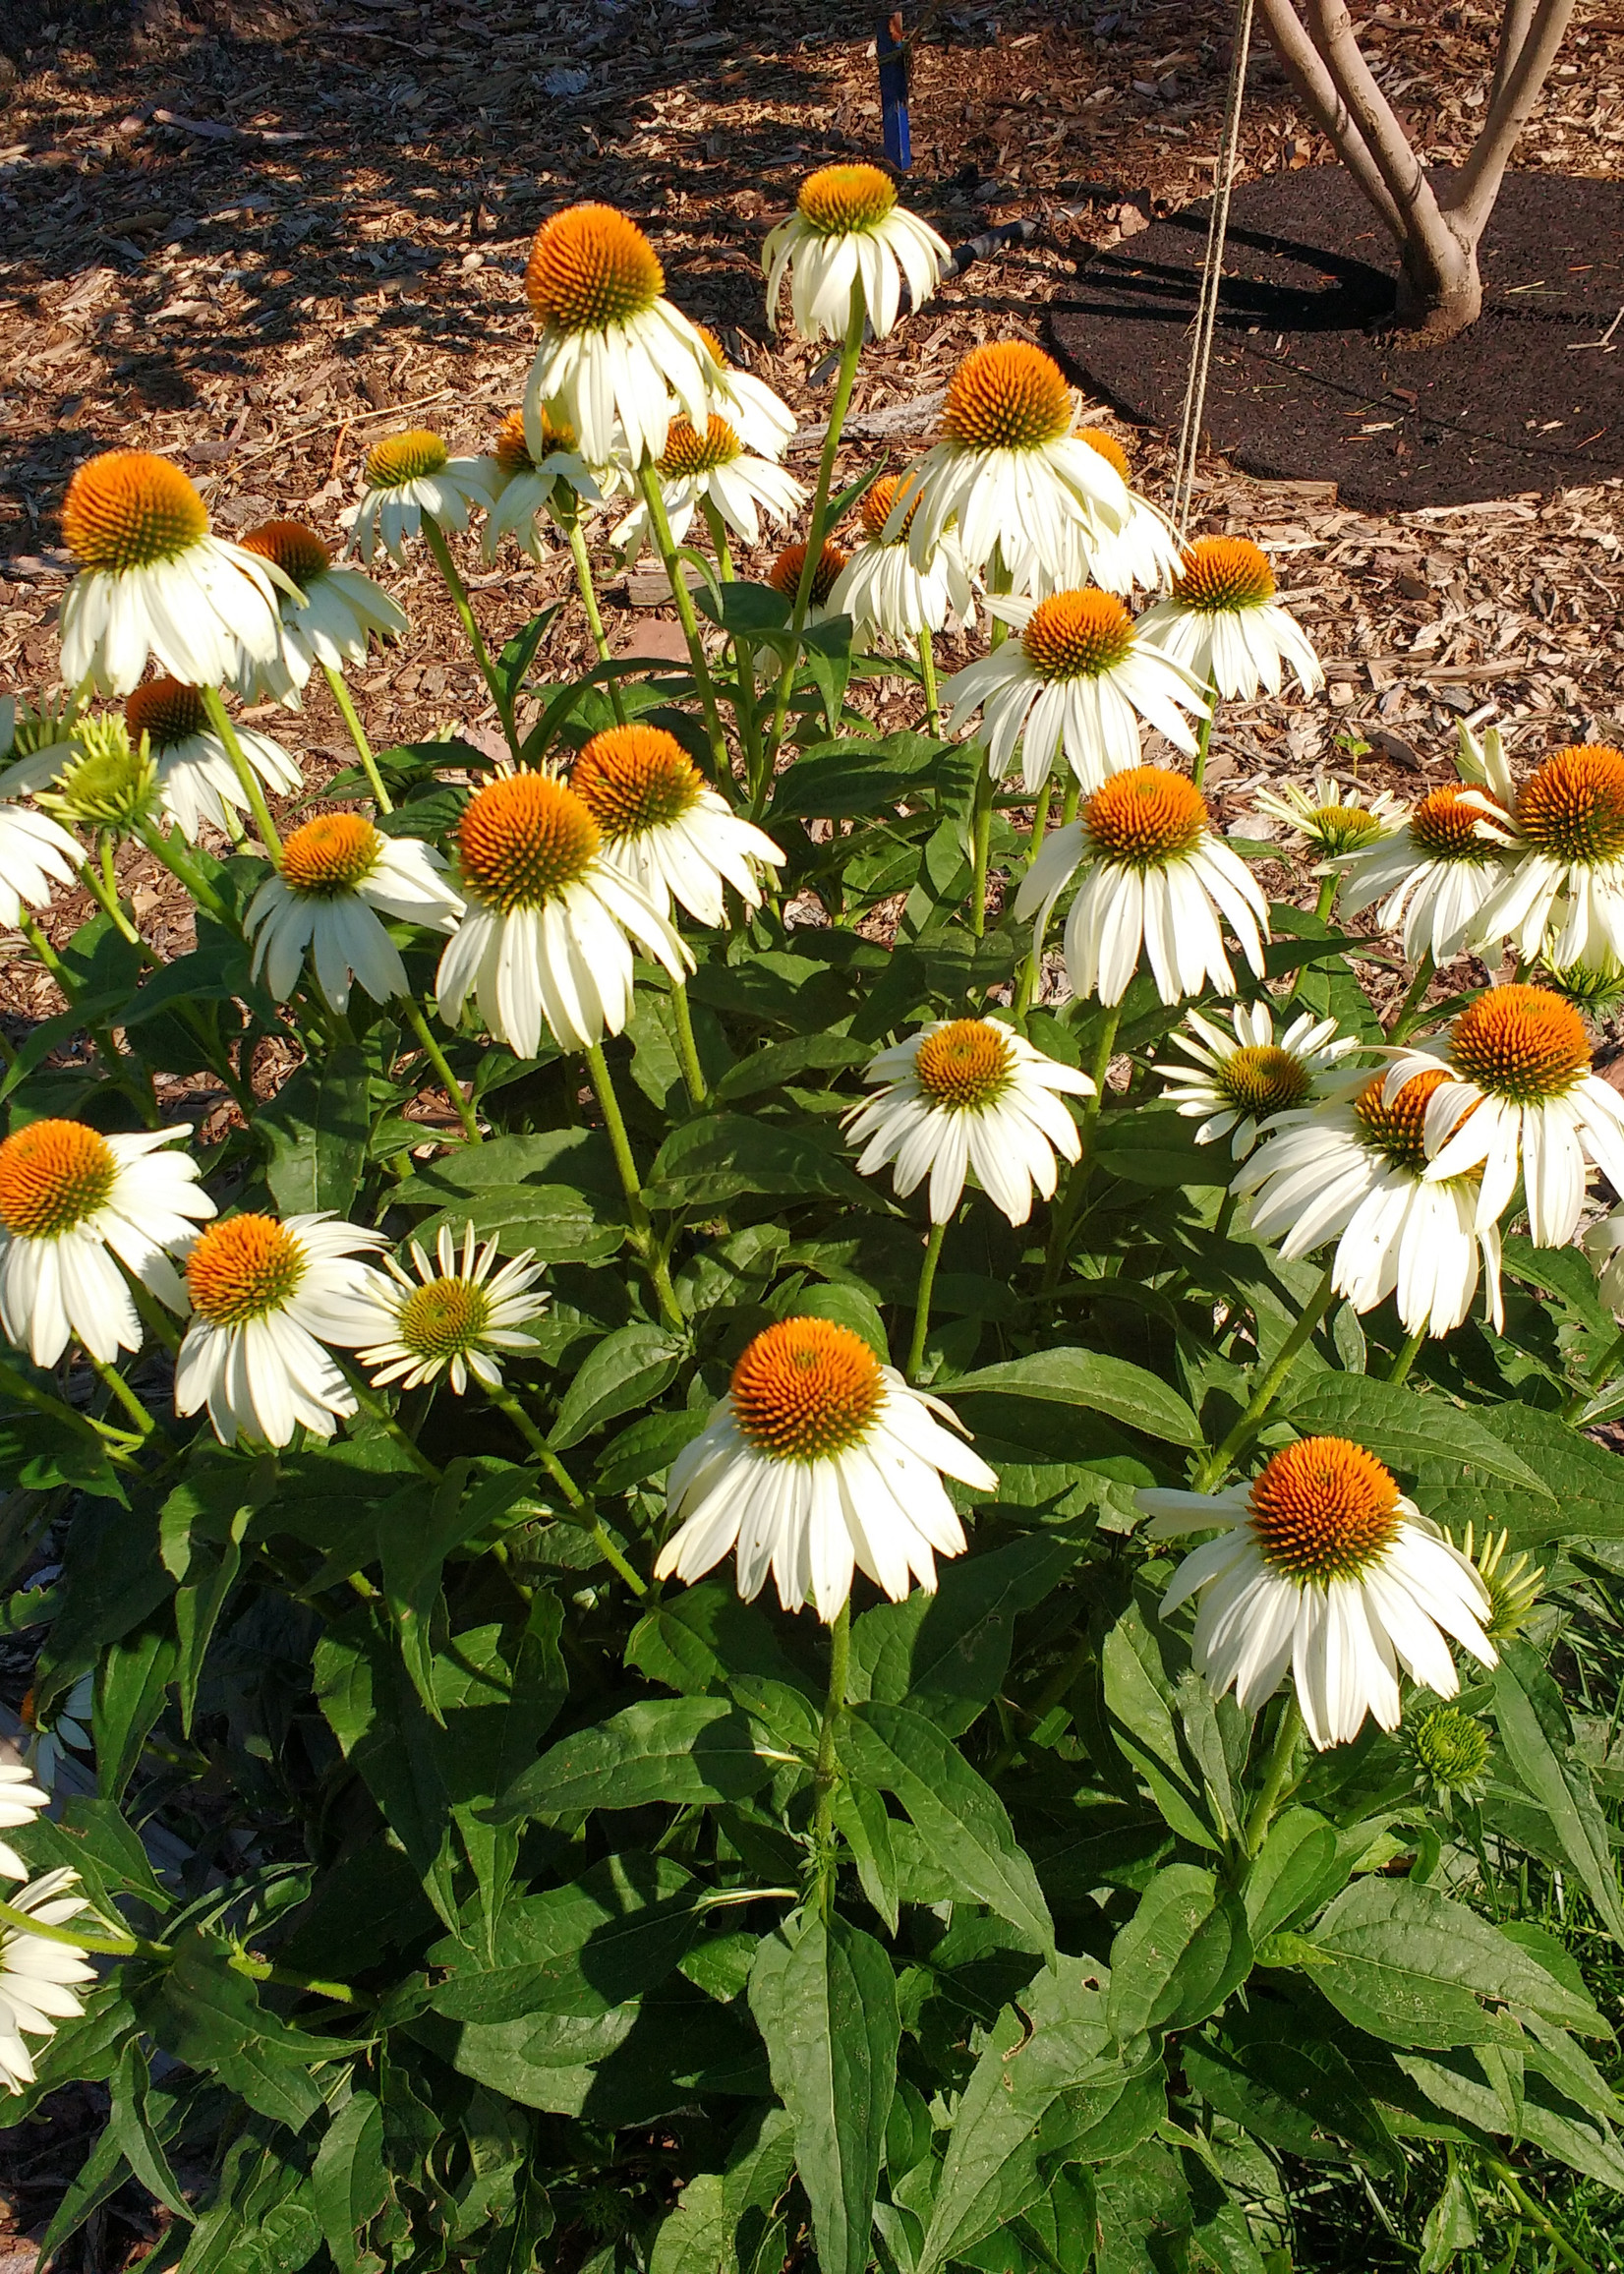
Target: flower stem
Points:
x,y
458,591
163,846
647,481
580,1512
137,1947
981,834
927,673
374,1409
436,1058
827,1775
1282,1759
1216,1467
688,1050
589,600
922,1301
851,351
1325,904
1410,1010
1399,1370
719,538
642,1229
252,789
1535,2217
114,1382
1076,1184
1203,735
18,1386
358,735
108,895
48,955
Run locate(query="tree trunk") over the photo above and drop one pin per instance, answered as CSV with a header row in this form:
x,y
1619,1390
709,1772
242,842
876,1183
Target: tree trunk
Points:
x,y
1440,289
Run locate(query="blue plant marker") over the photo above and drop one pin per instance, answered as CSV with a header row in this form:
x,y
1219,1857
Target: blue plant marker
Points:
x,y
893,89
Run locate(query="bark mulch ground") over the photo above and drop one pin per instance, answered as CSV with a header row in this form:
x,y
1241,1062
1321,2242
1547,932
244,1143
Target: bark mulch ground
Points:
x,y
1306,383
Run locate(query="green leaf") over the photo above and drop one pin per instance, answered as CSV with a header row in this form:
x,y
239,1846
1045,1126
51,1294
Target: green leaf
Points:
x,y
1179,1956
1088,1378
1405,1963
349,2185
132,1684
1139,1710
629,1368
961,1818
946,1655
1407,1429
1299,1867
1582,1475
780,1062
712,1161
679,1750
1534,1729
209,2017
316,1131
857,775
599,1943
697,2236
826,2007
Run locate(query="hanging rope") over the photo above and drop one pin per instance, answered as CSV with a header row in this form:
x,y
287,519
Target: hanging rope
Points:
x,y
1212,270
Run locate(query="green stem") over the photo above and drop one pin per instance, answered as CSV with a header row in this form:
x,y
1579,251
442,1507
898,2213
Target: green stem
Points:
x,y
758,776
252,789
922,1301
927,673
647,481
1606,1363
47,953
1282,1759
1076,1183
852,349
1032,962
1329,886
372,1406
436,1058
1535,2217
1216,1467
262,1971
642,1228
1399,1370
827,1775
981,834
458,591
358,735
1410,1010
18,1386
108,895
1203,736
719,538
114,1382
137,1947
581,1511
688,1050
165,846
589,600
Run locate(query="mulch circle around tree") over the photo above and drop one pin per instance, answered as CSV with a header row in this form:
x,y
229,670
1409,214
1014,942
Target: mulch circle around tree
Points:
x,y
1305,386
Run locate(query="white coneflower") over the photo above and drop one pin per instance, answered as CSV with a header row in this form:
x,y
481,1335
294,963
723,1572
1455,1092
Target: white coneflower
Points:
x,y
20,1800
71,1202
883,589
328,618
37,853
762,420
710,464
335,878
266,1297
1153,876
1520,1092
664,827
68,1731
546,940
535,469
784,576
154,582
1434,873
409,475
1078,679
454,1318
1354,1168
1009,473
612,349
819,1461
39,1977
196,781
1241,1079
1324,819
1144,552
1325,1567
1561,895
1222,620
847,229
963,1095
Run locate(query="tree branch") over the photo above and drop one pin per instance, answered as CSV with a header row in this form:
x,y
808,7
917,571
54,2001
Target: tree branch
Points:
x,y
1331,29
1513,24
1471,196
1305,68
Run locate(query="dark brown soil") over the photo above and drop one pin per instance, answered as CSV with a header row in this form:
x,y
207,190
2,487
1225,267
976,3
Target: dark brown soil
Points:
x,y
1306,385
